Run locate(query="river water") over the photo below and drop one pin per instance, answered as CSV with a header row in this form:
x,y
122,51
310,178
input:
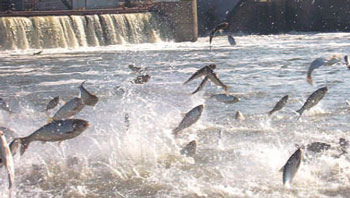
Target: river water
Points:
x,y
233,159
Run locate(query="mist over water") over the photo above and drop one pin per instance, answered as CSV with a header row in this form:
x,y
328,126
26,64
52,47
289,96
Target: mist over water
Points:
x,y
233,159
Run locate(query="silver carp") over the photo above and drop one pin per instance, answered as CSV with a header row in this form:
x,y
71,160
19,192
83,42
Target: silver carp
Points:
x,y
190,118
279,105
135,69
317,147
225,98
10,136
190,149
55,131
318,62
346,60
231,40
291,167
69,109
53,103
313,99
201,72
7,160
202,85
217,28
142,79
88,98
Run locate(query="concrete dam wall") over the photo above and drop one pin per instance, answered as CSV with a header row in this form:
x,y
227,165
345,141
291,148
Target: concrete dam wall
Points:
x,y
82,28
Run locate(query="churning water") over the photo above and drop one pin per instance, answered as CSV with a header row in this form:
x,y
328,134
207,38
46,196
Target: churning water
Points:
x,y
233,159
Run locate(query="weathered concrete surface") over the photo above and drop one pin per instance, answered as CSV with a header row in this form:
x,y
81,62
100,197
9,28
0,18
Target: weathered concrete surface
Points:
x,y
274,16
182,18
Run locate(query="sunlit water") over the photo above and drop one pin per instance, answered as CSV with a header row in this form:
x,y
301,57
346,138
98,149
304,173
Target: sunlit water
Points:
x,y
233,159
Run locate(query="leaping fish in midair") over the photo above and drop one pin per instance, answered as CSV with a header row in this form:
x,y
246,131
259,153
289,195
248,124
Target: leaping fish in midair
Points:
x,y
291,167
318,62
53,103
279,105
69,109
313,99
190,118
217,28
7,160
231,40
346,61
201,72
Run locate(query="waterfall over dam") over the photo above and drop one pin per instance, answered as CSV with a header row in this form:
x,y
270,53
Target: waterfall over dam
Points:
x,y
40,32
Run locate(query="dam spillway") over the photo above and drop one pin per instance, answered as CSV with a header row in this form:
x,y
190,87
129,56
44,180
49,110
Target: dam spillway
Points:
x,y
162,21
80,31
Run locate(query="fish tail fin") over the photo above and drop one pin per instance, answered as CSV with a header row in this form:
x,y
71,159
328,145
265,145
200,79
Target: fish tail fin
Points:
x,y
270,113
176,131
24,144
51,119
300,111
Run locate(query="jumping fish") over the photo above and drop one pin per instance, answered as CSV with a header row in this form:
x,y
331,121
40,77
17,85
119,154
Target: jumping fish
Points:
x,y
225,98
214,78
38,53
53,103
217,28
135,69
69,109
88,98
231,40
201,86
142,79
313,99
10,136
279,105
317,147
7,160
190,149
201,72
346,62
57,130
318,62
239,116
291,167
190,118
